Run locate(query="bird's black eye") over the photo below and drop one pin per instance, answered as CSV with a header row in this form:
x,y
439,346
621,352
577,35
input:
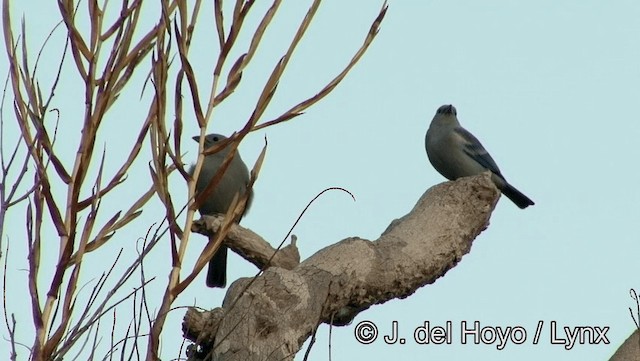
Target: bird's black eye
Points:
x,y
215,139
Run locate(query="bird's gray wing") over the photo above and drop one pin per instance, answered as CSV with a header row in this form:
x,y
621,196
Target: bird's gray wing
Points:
x,y
474,149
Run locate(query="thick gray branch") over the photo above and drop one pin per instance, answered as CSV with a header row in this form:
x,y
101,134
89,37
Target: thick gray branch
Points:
x,y
249,245
270,317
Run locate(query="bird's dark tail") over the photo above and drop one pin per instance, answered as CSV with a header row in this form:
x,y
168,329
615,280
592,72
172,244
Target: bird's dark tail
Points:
x,y
217,272
516,196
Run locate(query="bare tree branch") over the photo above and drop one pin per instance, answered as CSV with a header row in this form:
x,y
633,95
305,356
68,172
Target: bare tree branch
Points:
x,y
347,277
109,43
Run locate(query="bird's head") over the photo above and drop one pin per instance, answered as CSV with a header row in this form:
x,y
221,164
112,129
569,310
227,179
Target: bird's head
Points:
x,y
447,109
210,139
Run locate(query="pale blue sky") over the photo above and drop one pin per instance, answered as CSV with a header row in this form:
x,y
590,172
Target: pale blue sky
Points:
x,y
551,89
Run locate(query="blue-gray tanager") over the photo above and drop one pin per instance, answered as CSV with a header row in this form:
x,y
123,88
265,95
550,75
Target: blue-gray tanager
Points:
x,y
234,181
455,153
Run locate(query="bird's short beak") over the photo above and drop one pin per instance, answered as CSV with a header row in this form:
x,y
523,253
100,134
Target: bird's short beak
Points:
x,y
196,138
